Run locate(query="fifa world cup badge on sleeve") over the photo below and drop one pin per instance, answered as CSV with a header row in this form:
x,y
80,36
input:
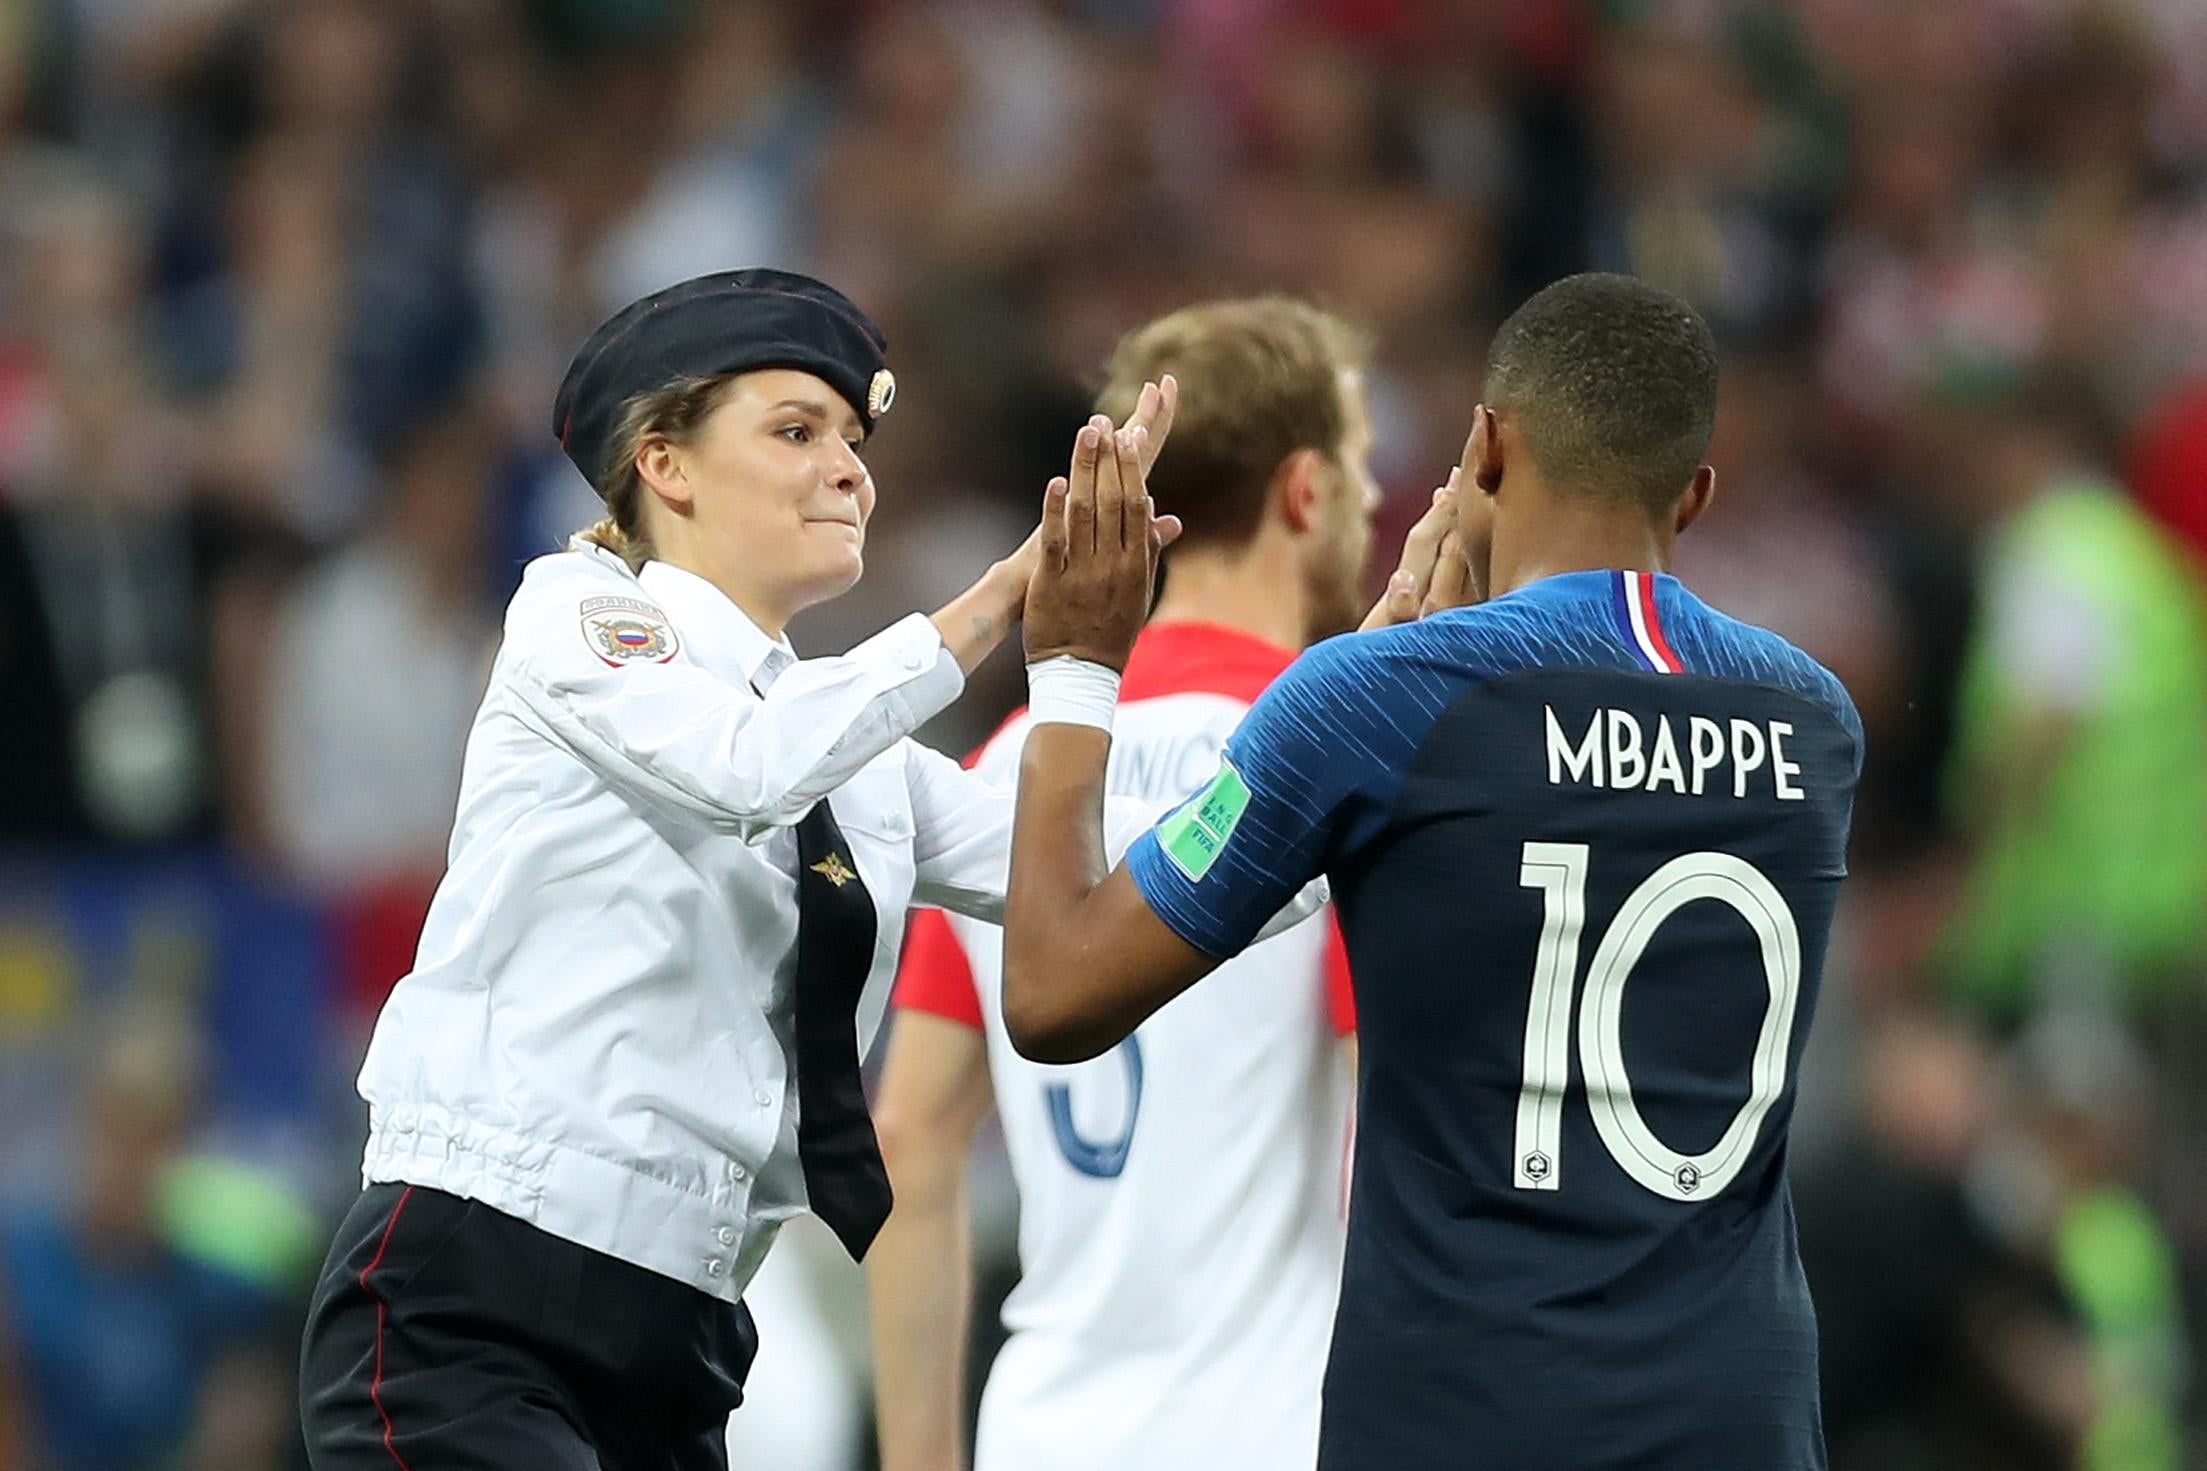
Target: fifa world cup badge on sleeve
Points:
x,y
1196,834
624,630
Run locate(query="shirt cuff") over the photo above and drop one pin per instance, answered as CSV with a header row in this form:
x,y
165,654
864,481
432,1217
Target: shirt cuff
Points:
x,y
926,678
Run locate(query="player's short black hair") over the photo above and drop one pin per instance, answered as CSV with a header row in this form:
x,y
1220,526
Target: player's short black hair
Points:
x,y
1613,383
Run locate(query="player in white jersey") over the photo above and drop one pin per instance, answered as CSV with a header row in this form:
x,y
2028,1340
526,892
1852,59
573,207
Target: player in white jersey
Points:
x,y
1181,1217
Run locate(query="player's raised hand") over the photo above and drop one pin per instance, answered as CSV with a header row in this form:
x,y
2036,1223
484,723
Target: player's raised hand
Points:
x,y
1100,541
1153,413
1450,586
1430,553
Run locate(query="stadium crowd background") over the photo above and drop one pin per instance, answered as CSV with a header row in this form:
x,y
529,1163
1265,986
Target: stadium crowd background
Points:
x,y
285,287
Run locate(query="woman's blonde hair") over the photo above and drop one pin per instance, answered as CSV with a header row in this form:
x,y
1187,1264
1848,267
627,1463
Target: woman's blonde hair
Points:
x,y
672,413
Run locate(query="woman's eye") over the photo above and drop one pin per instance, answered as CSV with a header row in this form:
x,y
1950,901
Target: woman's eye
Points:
x,y
796,433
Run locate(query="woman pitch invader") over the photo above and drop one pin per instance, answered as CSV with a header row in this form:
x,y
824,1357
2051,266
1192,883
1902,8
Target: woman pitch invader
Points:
x,y
629,1046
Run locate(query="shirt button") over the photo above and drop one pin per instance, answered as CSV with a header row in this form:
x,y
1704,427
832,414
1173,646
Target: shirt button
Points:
x,y
738,1173
914,660
726,1236
713,1268
763,1098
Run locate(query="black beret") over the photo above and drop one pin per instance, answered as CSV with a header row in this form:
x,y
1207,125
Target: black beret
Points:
x,y
728,322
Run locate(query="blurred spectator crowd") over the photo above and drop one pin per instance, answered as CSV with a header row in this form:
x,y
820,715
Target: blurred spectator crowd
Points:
x,y
285,289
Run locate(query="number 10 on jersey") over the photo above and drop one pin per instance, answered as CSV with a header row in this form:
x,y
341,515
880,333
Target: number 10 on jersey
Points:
x,y
1559,871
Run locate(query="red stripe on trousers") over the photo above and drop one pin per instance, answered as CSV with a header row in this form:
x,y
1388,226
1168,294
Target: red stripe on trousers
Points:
x,y
375,1386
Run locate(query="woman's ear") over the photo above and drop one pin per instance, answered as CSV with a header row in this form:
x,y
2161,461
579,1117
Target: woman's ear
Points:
x,y
661,465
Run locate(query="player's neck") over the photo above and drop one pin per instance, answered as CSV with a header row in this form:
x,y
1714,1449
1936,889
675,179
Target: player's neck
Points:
x,y
1572,535
1239,588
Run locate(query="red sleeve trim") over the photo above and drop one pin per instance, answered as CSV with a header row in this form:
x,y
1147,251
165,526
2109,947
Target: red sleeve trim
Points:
x,y
1340,986
935,976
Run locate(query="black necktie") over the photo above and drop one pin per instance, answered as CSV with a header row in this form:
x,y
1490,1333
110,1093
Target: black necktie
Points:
x,y
844,1176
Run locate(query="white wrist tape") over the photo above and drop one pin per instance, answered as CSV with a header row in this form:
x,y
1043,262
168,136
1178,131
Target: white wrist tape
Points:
x,y
1070,691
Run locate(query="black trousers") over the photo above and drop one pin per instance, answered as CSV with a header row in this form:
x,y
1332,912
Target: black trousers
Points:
x,y
446,1336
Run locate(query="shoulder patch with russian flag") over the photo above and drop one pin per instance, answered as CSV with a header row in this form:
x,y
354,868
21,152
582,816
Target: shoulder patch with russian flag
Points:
x,y
1640,625
624,630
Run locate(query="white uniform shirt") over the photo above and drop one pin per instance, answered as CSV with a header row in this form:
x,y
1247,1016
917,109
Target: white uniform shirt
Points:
x,y
1180,1198
596,1032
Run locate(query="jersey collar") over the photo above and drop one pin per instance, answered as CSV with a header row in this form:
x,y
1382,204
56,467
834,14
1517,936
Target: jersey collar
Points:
x,y
1634,603
1581,584
1182,658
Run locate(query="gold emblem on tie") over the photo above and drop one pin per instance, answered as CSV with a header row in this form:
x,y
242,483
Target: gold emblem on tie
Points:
x,y
835,870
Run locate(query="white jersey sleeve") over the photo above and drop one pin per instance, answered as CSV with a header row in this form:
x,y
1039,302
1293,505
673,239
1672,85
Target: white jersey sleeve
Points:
x,y
962,851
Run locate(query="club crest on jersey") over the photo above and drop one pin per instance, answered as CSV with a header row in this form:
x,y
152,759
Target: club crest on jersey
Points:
x,y
835,870
625,630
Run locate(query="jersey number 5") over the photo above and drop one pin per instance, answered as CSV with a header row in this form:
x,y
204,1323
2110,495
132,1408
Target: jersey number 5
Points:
x,y
1105,1160
1558,870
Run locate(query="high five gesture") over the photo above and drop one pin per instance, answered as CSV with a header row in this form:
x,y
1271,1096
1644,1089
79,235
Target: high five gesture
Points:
x,y
1101,536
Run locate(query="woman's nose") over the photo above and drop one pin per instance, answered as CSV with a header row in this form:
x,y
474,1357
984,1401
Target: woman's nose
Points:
x,y
846,471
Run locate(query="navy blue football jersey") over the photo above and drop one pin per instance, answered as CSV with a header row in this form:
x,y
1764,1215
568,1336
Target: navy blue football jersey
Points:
x,y
1585,841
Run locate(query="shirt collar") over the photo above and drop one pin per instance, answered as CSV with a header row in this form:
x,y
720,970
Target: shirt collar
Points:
x,y
721,635
1566,585
1201,658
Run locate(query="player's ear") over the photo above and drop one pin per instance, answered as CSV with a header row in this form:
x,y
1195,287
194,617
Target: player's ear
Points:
x,y
1483,453
1298,489
1697,498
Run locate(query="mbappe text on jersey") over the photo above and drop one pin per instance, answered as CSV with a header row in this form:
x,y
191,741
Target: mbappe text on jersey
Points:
x,y
1618,752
